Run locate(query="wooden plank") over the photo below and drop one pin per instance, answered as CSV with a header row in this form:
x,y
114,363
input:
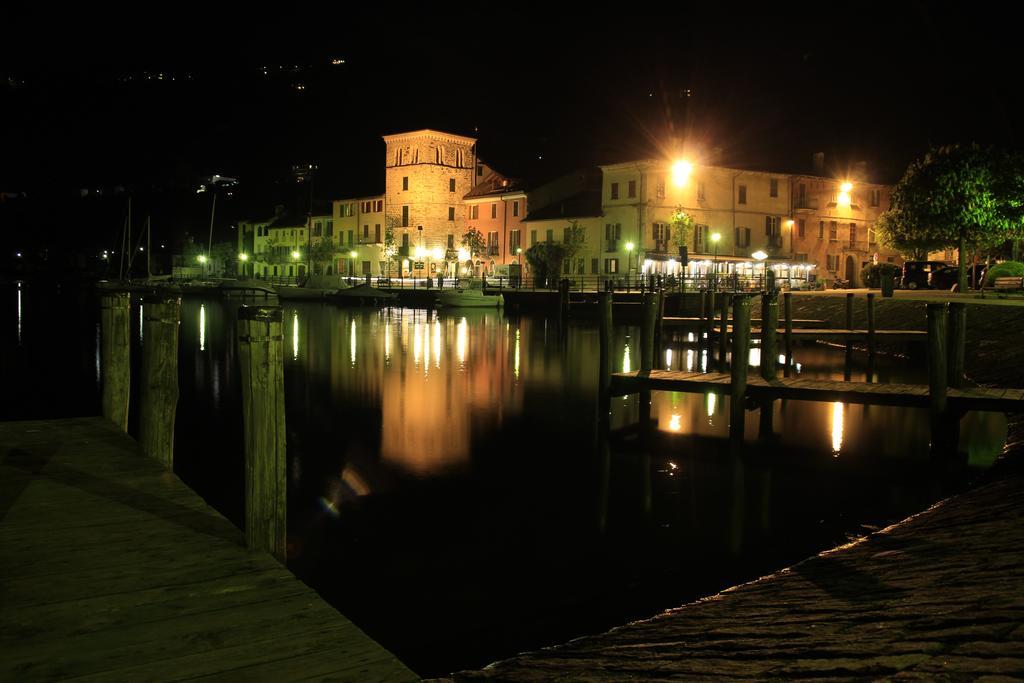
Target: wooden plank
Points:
x,y
113,569
911,395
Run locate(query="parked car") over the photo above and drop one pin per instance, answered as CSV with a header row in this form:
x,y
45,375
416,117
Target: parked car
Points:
x,y
947,276
917,274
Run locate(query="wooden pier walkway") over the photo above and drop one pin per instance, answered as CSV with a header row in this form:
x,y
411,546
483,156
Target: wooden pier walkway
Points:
x,y
113,569
833,334
911,395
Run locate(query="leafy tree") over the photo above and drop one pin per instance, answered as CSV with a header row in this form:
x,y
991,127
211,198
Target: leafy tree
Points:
x,y
474,242
545,259
967,197
682,227
574,243
322,252
390,246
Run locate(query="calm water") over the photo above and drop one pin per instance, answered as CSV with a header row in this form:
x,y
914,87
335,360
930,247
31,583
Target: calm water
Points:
x,y
448,489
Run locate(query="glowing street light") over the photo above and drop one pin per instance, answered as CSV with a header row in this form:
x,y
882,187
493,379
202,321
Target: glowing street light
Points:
x,y
243,257
844,193
681,172
296,255
629,257
437,253
353,253
716,237
201,258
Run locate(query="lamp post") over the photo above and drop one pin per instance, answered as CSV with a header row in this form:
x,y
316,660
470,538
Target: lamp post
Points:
x,y
243,257
352,262
716,237
202,262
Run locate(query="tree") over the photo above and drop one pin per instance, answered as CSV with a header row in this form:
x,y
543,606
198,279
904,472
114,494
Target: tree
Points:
x,y
474,242
682,227
574,243
321,253
963,197
390,248
545,259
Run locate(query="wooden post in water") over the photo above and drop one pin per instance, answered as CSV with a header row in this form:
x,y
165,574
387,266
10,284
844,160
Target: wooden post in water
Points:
x,y
848,362
957,343
769,332
872,337
604,305
563,299
788,301
115,365
659,324
938,377
769,355
723,333
159,397
649,319
260,353
702,316
740,360
710,323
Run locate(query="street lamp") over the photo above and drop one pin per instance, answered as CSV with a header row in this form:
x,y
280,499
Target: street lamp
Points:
x,y
681,172
629,258
296,255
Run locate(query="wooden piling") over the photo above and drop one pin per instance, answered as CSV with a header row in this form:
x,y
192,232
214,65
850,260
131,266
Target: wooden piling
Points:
x,y
710,323
788,302
260,352
957,343
647,325
872,342
740,360
115,364
563,299
159,397
604,305
848,358
703,314
659,324
723,332
769,332
938,378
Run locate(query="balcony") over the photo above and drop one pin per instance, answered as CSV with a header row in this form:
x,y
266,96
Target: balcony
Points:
x,y
611,245
492,250
774,241
857,246
403,251
805,204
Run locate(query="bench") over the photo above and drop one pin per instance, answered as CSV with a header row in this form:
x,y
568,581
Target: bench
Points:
x,y
1005,283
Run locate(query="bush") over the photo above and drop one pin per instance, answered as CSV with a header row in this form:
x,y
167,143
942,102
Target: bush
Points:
x,y
873,273
1004,269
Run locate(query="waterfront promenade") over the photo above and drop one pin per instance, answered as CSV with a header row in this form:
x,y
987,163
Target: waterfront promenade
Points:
x,y
112,569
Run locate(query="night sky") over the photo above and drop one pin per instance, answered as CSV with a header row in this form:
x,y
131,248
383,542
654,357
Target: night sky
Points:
x,y
83,104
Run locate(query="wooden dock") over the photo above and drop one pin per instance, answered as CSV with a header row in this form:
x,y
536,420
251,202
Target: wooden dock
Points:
x,y
113,569
832,334
910,395
696,322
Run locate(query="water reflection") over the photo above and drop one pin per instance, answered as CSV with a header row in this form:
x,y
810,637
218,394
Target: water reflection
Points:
x,y
837,428
19,314
422,443
202,327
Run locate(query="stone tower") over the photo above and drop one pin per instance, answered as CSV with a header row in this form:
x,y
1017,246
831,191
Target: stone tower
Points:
x,y
427,173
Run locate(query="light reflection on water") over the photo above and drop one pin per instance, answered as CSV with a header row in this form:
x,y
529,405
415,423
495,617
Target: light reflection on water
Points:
x,y
421,441
446,483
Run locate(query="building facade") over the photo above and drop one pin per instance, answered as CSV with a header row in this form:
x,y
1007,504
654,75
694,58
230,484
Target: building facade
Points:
x,y
428,174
